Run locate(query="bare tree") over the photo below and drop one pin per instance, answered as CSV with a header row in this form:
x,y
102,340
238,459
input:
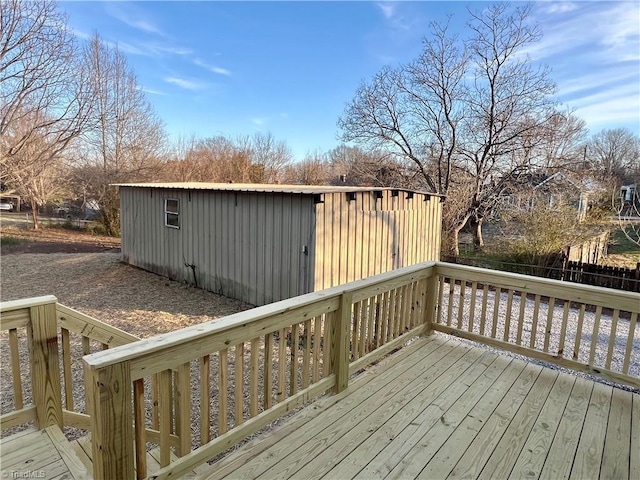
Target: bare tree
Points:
x,y
126,140
314,169
614,153
257,159
460,112
38,182
354,166
268,158
44,100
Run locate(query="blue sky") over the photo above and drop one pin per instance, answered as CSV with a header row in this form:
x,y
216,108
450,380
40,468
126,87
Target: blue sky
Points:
x,y
289,68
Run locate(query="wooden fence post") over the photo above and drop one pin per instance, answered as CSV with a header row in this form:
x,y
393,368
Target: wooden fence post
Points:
x,y
45,369
340,328
109,403
432,300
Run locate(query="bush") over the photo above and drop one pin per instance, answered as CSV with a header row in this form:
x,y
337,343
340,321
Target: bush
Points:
x,y
538,237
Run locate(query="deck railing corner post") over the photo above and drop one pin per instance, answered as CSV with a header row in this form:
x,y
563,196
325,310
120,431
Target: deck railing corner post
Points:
x,y
45,367
431,302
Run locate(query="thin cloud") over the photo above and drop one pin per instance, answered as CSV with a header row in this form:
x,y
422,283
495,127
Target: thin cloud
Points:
x,y
128,48
181,51
212,68
613,25
387,9
152,92
259,121
559,7
394,17
134,17
572,86
145,27
81,34
184,83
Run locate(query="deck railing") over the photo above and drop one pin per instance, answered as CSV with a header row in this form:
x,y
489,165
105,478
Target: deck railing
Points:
x,y
46,343
589,329
271,359
248,369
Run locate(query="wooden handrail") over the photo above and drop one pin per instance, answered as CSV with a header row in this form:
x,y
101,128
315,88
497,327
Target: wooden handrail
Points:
x,y
592,295
354,312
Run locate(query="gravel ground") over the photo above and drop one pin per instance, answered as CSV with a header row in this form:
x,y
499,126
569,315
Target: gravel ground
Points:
x,y
99,285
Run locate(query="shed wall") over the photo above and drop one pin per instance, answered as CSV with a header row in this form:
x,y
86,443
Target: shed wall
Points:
x,y
369,235
244,245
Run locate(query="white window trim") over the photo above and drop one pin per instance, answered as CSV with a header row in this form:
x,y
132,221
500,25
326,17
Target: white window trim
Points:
x,y
168,212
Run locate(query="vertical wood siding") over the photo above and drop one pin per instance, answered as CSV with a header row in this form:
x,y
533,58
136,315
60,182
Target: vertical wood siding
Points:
x,y
244,245
366,236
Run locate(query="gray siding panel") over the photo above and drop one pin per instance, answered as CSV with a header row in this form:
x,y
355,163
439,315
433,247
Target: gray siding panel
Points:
x,y
243,245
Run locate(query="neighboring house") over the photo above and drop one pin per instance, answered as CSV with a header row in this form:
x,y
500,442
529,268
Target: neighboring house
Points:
x,y
630,196
536,189
262,243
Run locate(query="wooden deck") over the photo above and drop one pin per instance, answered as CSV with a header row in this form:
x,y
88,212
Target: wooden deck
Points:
x,y
40,454
439,408
443,409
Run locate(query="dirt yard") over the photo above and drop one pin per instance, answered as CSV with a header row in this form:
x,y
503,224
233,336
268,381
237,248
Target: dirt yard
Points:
x,y
85,273
99,285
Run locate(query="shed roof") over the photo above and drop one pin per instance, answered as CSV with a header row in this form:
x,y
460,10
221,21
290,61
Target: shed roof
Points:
x,y
265,188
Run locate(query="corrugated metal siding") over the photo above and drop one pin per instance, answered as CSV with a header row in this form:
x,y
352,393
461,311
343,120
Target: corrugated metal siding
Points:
x,y
366,236
244,245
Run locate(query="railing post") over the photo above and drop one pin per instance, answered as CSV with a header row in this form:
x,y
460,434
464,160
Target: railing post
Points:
x,y
45,369
432,301
109,403
340,328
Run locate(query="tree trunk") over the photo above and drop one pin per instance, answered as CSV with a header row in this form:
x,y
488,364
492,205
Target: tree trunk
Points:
x,y
34,214
478,240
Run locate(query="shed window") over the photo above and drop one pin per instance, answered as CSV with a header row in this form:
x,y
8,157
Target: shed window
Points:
x,y
172,212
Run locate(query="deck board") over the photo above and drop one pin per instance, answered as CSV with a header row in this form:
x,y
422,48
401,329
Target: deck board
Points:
x,y
534,451
467,455
615,461
386,443
40,454
634,457
431,439
407,403
588,457
448,410
384,386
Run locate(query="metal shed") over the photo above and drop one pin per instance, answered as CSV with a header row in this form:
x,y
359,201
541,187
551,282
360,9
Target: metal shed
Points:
x,y
263,243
